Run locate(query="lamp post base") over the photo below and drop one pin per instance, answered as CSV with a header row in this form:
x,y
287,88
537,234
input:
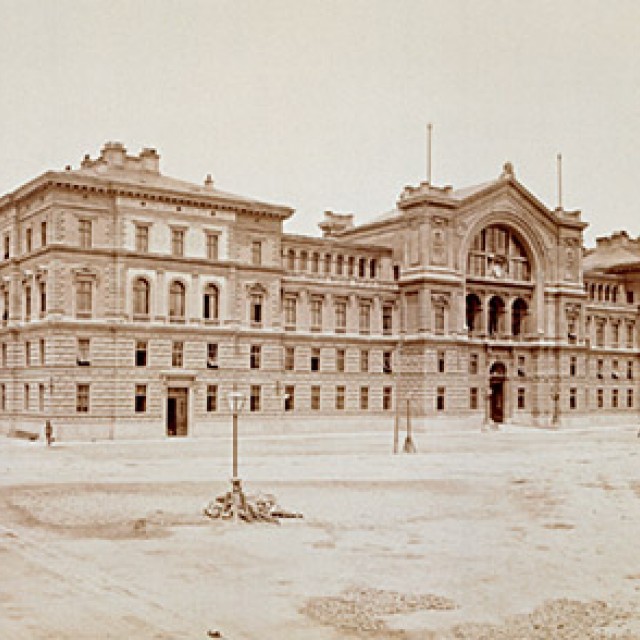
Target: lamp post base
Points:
x,y
236,505
409,446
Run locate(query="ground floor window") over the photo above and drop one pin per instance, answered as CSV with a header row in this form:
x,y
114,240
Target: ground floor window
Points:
x,y
630,398
141,398
440,399
315,398
26,397
289,398
521,397
255,398
141,353
41,397
3,397
473,398
600,398
614,398
387,398
364,398
212,398
340,393
82,398
573,398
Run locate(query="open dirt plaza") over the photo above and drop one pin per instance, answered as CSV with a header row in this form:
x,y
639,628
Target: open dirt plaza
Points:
x,y
517,533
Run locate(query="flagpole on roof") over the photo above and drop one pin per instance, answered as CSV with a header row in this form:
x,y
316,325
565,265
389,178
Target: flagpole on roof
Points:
x,y
429,136
559,163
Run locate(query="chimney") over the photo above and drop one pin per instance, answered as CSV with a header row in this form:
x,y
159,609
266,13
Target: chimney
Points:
x,y
150,160
113,153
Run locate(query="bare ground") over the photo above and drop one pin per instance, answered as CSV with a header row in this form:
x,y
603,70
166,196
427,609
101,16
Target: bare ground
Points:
x,y
517,534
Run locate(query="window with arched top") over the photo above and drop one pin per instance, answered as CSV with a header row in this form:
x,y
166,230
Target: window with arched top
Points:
x,y
291,260
497,252
315,262
176,301
210,303
473,313
519,311
141,298
496,316
303,261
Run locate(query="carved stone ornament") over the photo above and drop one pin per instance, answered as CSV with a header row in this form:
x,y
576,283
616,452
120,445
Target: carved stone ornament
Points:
x,y
440,299
438,244
572,310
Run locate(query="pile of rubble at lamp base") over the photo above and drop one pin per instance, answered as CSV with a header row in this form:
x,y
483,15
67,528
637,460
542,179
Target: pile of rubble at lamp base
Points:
x,y
236,505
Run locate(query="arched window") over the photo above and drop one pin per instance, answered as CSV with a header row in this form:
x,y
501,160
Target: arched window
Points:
x,y
614,294
210,303
303,261
140,297
496,252
327,263
496,316
176,301
474,311
606,293
315,262
351,266
362,267
518,317
373,268
339,265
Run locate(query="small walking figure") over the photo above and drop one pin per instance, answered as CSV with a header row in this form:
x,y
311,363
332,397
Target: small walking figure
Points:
x,y
48,433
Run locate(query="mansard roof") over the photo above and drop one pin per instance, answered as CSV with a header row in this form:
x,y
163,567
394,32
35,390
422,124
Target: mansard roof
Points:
x,y
613,254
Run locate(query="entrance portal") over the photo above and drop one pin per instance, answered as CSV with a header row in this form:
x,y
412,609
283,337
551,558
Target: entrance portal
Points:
x,y
498,374
177,411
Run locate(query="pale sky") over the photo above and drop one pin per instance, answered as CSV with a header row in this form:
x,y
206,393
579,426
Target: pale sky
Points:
x,y
324,104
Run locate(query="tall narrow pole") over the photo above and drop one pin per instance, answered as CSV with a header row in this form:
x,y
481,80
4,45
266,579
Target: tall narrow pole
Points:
x,y
429,140
235,444
559,162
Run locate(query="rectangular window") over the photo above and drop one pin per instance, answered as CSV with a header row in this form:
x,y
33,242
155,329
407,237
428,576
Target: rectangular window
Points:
x,y
364,398
43,233
522,397
7,246
141,398
473,364
5,307
387,398
255,398
289,397
4,354
84,352
600,333
340,393
43,351
614,398
340,359
315,359
82,398
387,362
573,398
177,242
84,302
212,355
290,308
177,354
441,361
315,398
3,397
254,356
212,398
573,366
256,310
316,314
141,353
600,398
615,334
142,238
630,398
28,240
614,370
341,316
473,398
84,234
212,246
27,354
256,252
26,397
365,317
43,298
439,320
27,303
600,369
364,361
629,369
630,332
440,395
289,358
387,319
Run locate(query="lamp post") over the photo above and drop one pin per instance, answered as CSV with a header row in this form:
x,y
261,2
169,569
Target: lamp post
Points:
x,y
409,446
236,403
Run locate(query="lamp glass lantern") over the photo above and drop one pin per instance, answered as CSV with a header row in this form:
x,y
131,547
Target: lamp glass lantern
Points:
x,y
236,401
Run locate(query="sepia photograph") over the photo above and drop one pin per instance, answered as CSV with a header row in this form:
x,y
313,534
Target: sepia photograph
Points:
x,y
320,320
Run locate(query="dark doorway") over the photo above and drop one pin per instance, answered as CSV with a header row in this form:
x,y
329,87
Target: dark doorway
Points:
x,y
497,401
177,412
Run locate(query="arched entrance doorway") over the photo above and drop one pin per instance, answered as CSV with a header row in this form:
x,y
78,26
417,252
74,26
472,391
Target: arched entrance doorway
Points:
x,y
497,379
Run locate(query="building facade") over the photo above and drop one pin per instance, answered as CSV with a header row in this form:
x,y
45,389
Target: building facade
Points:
x,y
133,304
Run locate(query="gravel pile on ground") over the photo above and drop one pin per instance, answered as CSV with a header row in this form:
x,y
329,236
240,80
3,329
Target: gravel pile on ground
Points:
x,y
556,619
359,610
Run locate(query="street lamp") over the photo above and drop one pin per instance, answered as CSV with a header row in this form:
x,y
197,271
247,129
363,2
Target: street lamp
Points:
x,y
236,403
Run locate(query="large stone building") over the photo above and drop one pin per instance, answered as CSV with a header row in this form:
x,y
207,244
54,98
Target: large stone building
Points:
x,y
133,303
